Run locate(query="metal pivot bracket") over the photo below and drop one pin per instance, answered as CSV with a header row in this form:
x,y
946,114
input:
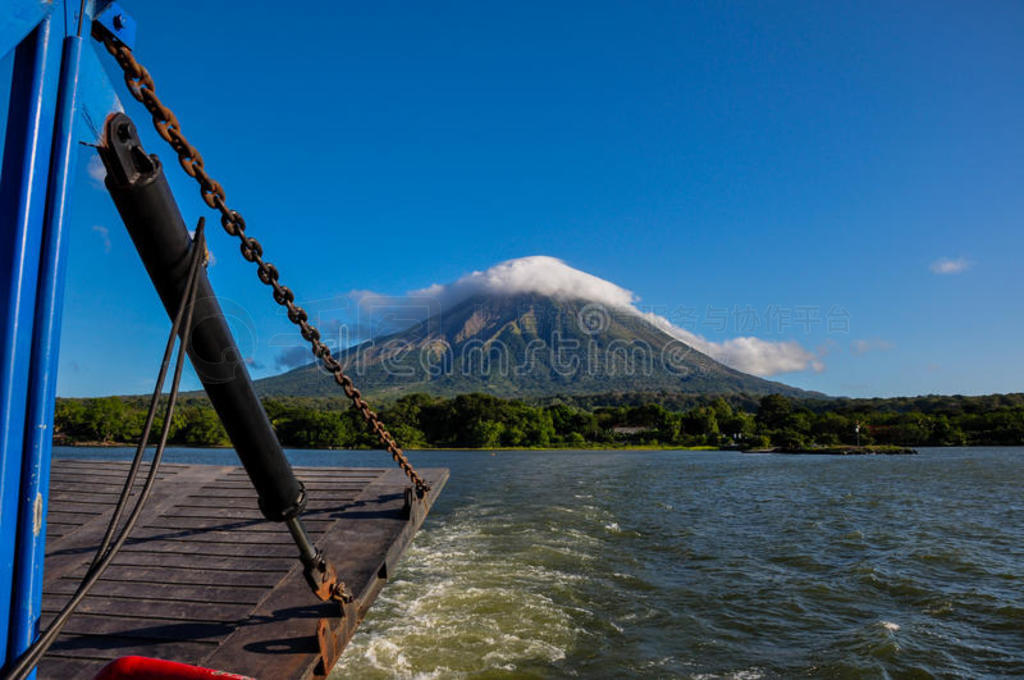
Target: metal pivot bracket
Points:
x,y
328,646
323,581
112,21
414,502
319,573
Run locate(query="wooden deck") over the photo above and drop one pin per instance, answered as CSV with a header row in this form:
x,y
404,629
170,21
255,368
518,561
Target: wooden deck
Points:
x,y
204,579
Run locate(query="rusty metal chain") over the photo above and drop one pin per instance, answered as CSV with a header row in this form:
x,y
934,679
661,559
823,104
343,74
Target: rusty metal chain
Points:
x,y
141,85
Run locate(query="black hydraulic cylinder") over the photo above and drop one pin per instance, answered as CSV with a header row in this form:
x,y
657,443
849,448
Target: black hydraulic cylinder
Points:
x,y
140,190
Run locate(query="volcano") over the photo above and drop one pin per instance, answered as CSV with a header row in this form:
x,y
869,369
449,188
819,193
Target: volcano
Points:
x,y
527,344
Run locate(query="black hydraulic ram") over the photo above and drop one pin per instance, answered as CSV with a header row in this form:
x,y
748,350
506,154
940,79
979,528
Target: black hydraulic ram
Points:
x,y
143,197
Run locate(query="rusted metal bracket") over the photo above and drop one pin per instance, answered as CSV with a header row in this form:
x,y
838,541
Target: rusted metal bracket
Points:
x,y
319,573
414,502
323,581
329,648
409,500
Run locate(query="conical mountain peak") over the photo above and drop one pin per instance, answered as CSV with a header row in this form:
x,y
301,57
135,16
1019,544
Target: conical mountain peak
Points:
x,y
532,327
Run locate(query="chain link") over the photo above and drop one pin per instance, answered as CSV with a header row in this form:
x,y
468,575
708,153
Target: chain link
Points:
x,y
141,85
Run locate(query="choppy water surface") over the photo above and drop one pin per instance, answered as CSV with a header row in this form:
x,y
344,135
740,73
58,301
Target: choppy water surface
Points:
x,y
709,565
701,565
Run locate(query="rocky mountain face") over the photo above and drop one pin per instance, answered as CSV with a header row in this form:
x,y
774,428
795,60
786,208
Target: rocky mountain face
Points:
x,y
526,345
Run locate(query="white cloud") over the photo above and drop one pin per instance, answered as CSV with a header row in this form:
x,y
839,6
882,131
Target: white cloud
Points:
x,y
104,235
97,172
859,347
537,274
946,265
292,357
550,276
748,354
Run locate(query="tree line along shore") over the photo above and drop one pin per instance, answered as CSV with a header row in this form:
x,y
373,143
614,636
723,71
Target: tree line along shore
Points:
x,y
600,421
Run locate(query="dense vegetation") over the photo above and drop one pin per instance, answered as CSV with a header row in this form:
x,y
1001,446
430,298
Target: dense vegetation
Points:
x,y
483,421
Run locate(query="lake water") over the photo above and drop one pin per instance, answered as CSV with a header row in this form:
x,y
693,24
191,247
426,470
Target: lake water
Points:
x,y
660,564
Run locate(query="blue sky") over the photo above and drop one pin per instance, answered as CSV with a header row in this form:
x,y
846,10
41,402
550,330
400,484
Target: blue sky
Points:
x,y
776,165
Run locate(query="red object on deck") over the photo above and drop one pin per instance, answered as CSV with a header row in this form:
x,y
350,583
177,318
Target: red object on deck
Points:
x,y
144,668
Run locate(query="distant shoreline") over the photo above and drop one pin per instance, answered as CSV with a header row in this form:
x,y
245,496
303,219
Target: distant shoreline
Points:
x,y
840,451
811,451
606,447
480,421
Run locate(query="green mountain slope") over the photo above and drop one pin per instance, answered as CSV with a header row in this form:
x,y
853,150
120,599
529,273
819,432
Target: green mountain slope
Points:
x,y
526,345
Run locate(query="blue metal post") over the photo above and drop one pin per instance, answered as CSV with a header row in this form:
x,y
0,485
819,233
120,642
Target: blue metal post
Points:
x,y
20,17
35,475
22,203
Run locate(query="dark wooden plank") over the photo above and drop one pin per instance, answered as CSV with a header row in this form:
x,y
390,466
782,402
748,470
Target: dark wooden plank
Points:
x,y
77,509
63,667
58,523
158,590
85,496
147,629
225,494
63,516
315,504
113,486
324,483
204,579
140,607
112,478
79,546
378,529
251,524
99,467
207,562
158,548
197,572
108,647
212,512
160,536
305,472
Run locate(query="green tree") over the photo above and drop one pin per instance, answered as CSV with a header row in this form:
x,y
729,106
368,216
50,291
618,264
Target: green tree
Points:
x,y
788,439
408,437
202,427
484,434
575,439
307,428
773,411
700,422
738,426
945,433
830,429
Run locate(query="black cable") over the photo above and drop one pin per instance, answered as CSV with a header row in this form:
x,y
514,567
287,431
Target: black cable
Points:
x,y
187,296
31,657
81,16
151,415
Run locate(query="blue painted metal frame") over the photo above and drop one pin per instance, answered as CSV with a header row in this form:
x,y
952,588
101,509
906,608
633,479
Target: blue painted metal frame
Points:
x,y
22,205
21,18
35,471
47,116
